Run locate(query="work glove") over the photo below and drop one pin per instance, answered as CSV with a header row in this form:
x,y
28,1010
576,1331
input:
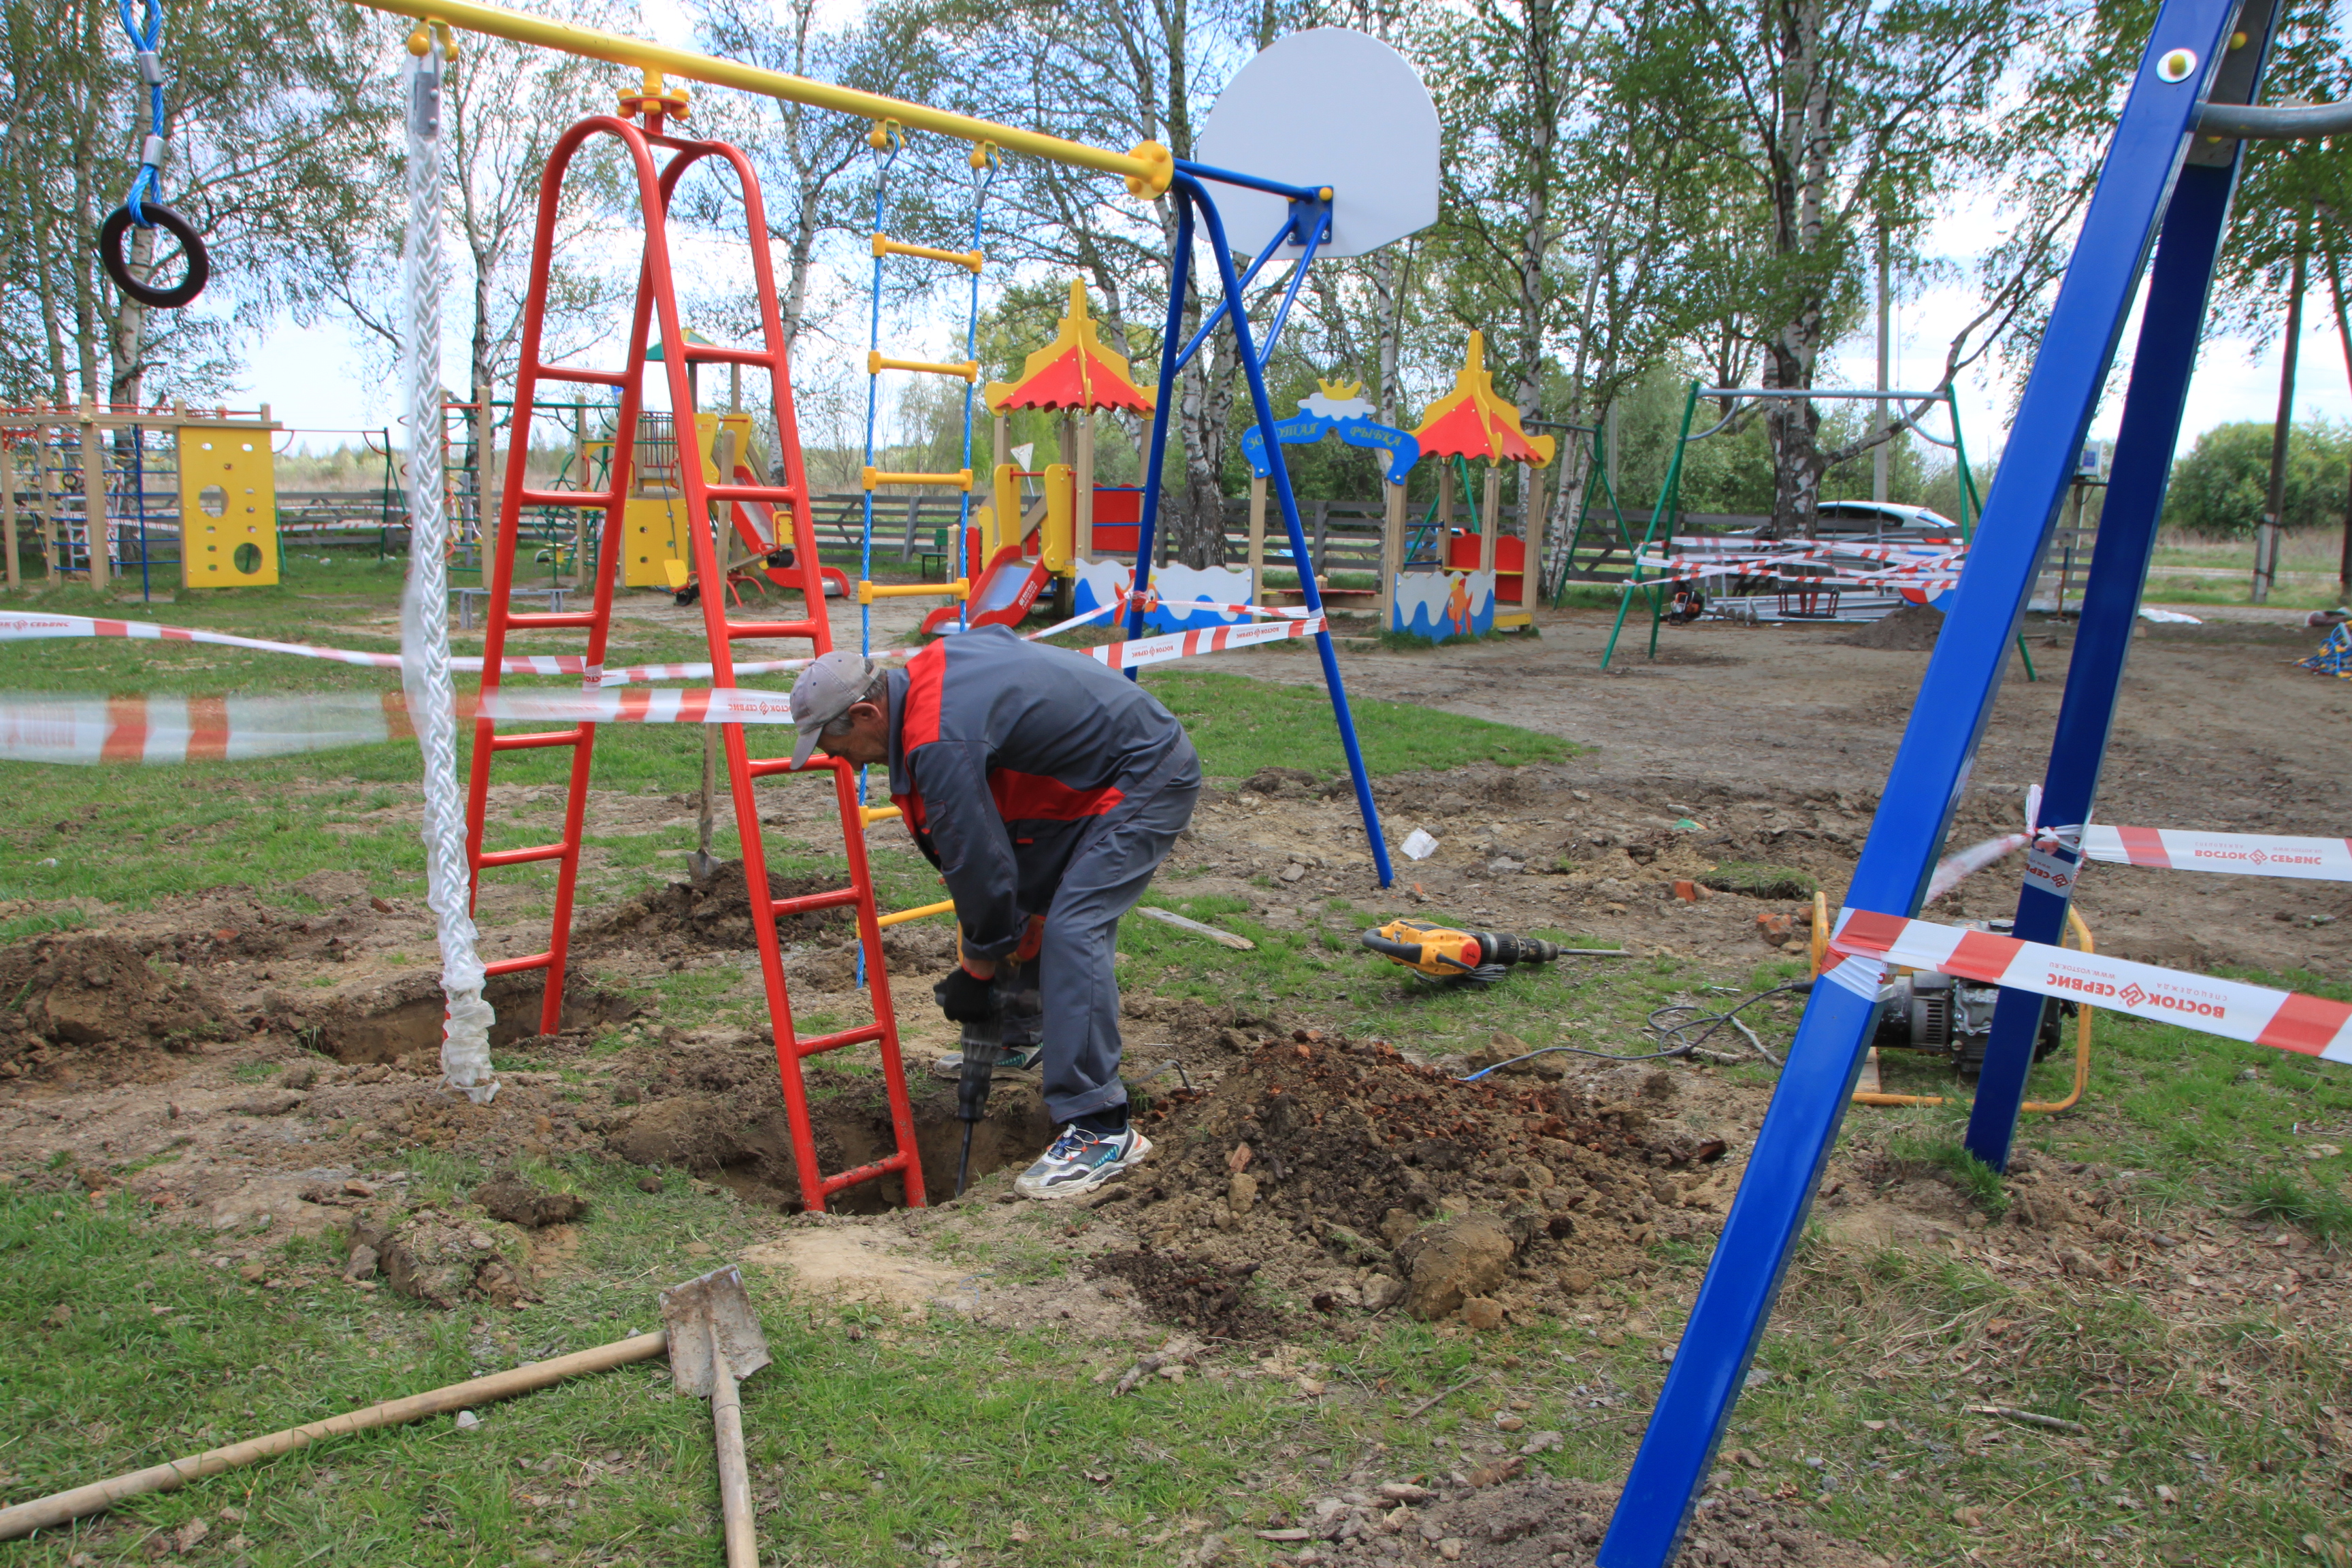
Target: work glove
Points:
x,y
965,997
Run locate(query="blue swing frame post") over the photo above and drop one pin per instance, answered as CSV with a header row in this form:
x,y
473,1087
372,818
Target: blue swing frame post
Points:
x,y
2136,185
2179,281
1305,225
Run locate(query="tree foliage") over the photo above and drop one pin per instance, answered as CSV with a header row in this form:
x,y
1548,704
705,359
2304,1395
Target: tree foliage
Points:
x,y
2220,490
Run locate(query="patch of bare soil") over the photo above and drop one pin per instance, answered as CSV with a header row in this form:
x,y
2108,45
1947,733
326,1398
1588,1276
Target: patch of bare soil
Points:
x,y
1205,1297
1539,1523
511,1199
90,1006
442,1259
1360,1180
1911,629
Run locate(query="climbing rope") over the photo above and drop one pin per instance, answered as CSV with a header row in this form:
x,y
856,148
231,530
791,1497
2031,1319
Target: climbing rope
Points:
x,y
424,605
141,205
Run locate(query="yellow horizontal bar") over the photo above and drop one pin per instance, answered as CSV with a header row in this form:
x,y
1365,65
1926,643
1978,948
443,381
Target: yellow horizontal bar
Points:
x,y
876,363
959,480
869,592
1148,168
972,260
944,907
874,813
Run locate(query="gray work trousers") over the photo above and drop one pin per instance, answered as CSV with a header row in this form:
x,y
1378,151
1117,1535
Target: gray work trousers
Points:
x,y
1112,865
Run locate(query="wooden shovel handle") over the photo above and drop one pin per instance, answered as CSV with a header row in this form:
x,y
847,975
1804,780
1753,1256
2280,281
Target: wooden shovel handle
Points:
x,y
734,1475
41,1513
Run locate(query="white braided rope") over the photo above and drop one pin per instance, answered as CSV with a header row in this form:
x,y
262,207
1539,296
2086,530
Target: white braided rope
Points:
x,y
424,605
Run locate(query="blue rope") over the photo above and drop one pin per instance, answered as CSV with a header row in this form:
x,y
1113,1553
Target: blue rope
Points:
x,y
983,177
146,35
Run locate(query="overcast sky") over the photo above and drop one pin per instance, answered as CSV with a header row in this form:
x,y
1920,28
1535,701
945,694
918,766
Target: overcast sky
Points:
x,y
317,380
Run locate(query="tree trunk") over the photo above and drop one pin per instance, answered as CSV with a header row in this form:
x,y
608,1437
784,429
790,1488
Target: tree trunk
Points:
x,y
2266,537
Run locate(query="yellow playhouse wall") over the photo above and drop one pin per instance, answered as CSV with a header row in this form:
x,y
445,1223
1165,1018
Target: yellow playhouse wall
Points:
x,y
228,506
653,528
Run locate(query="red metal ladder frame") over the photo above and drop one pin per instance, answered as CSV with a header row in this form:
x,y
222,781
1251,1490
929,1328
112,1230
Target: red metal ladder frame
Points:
x,y
656,294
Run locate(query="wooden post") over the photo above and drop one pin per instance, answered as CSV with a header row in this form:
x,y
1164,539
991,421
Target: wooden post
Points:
x,y
1258,537
8,508
485,483
93,497
1391,554
1083,545
1490,517
1535,518
42,470
1444,513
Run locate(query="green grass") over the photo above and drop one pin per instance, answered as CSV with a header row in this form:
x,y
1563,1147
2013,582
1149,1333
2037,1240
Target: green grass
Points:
x,y
875,1445
1240,725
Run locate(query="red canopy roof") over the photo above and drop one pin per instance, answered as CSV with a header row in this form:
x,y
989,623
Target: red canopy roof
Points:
x,y
1073,371
1472,422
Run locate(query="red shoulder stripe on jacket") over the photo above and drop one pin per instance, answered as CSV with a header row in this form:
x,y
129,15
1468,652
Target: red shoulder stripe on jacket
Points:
x,y
919,718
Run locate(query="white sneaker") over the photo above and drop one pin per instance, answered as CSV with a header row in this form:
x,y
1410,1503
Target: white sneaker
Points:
x,y
1080,1161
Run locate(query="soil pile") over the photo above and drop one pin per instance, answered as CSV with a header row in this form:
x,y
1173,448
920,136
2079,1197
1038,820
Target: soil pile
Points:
x,y
1540,1521
93,995
1205,1297
1362,1181
442,1259
511,1199
1911,629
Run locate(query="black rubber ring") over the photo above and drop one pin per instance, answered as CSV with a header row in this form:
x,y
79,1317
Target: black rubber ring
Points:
x,y
109,252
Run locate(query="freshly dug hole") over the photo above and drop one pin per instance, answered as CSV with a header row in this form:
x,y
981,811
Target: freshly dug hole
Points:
x,y
738,1135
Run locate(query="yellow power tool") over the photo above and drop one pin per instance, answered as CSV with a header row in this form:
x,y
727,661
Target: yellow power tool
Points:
x,y
1468,957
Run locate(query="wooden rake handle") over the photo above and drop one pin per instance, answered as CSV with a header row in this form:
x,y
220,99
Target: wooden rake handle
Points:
x,y
42,1514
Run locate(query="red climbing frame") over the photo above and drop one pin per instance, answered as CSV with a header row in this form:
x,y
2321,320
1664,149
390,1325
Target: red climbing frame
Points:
x,y
658,295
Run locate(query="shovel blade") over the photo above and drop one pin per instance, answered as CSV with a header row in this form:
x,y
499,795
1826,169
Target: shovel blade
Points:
x,y
709,1317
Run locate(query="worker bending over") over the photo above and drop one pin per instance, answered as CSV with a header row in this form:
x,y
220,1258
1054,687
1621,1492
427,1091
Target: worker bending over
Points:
x,y
1047,790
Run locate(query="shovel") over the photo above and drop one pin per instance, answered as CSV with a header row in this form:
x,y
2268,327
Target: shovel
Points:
x,y
715,1342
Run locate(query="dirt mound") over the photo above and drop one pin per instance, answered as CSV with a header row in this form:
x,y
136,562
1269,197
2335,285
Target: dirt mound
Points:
x,y
80,997
442,1259
1353,1175
1911,629
712,914
1205,1297
511,1199
1539,1521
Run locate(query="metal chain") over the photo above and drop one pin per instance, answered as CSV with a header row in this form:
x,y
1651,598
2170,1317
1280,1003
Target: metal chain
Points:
x,y
424,607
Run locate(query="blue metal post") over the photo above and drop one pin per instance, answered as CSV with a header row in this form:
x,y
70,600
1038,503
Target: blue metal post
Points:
x,y
2161,367
1929,776
1254,370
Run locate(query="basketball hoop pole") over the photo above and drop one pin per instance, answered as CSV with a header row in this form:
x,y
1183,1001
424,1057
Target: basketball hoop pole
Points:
x,y
1304,224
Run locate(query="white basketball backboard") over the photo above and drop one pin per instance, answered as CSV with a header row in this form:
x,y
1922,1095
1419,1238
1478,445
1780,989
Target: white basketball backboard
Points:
x,y
1327,107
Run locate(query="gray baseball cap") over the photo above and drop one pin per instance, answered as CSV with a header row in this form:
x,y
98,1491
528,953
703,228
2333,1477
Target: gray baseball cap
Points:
x,y
824,693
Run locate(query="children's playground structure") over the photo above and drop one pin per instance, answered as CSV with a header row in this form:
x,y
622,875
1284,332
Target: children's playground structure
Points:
x,y
1325,143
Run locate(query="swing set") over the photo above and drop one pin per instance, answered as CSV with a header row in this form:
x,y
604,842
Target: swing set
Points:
x,y
1303,109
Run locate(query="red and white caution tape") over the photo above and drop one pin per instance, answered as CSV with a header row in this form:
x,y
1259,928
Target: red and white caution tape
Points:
x,y
1961,864
1190,644
2245,854
653,705
95,730
2288,1020
737,705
